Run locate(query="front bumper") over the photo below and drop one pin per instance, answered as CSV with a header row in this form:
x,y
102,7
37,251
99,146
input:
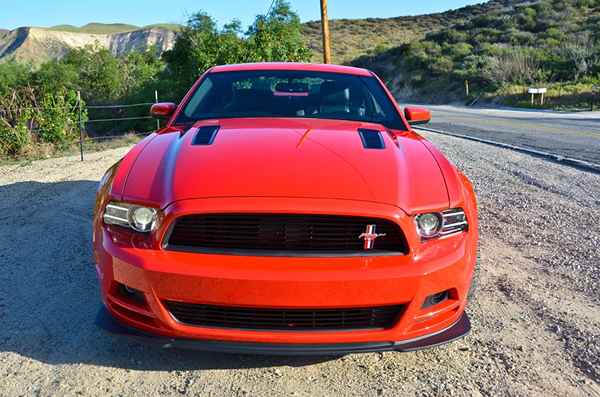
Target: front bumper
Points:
x,y
458,330
292,283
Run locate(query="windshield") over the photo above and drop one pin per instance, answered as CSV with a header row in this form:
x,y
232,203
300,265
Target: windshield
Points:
x,y
300,94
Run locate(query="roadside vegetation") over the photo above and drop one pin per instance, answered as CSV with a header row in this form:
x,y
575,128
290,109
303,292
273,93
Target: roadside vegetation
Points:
x,y
39,107
491,52
500,53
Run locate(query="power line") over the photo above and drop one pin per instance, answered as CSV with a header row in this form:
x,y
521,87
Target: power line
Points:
x,y
270,8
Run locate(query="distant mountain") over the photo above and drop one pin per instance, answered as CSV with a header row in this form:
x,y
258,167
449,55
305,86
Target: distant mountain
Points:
x,y
110,28
36,45
97,28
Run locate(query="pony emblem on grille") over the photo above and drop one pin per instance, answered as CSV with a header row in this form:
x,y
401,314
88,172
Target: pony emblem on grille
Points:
x,y
369,236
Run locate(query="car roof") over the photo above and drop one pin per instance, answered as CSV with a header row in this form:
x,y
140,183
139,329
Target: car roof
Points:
x,y
312,67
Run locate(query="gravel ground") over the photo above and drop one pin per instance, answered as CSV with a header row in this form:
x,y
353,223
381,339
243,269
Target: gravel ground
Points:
x,y
536,318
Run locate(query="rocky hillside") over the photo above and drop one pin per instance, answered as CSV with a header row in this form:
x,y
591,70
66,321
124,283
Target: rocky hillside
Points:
x,y
498,50
36,45
352,38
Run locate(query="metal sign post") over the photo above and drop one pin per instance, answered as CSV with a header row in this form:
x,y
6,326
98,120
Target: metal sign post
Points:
x,y
537,91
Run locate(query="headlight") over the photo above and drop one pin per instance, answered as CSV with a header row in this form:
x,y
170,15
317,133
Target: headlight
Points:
x,y
136,217
428,225
439,224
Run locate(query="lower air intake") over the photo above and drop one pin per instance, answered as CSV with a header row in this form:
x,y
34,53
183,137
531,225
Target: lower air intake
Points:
x,y
285,319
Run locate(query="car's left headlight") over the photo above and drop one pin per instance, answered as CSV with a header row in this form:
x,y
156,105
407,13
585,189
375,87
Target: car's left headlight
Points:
x,y
139,218
440,224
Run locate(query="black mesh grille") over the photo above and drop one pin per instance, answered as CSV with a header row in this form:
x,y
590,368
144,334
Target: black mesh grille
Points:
x,y
283,233
285,319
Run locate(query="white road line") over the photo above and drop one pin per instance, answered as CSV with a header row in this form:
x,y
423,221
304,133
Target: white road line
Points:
x,y
581,164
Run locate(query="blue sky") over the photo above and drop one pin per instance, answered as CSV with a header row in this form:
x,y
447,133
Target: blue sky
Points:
x,y
144,12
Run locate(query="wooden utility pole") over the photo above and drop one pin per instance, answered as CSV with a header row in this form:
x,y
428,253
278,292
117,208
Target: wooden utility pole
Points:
x,y
326,39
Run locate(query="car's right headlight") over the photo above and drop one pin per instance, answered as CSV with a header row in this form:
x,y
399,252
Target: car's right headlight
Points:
x,y
137,217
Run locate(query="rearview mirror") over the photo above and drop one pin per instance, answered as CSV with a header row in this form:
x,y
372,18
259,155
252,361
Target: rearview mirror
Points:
x,y
163,110
416,116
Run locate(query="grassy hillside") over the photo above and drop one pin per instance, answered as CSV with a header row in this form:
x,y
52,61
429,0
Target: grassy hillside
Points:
x,y
97,28
497,47
169,26
109,28
352,38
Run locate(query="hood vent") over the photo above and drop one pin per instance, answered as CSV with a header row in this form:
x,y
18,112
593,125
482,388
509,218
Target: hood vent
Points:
x,y
205,135
371,139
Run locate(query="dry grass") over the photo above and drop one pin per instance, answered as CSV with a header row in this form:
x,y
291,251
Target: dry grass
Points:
x,y
38,150
560,96
352,38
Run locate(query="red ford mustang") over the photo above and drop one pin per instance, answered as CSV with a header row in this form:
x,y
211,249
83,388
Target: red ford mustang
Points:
x,y
286,209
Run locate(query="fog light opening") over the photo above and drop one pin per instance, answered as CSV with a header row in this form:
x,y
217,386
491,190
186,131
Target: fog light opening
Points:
x,y
131,295
436,299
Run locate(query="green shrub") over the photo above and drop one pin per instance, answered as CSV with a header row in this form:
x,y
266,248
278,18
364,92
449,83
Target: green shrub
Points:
x,y
14,139
57,118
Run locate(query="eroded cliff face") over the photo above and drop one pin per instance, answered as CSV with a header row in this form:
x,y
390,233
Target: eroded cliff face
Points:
x,y
36,45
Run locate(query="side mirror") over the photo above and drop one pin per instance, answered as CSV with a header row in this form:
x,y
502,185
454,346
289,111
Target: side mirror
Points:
x,y
416,116
163,110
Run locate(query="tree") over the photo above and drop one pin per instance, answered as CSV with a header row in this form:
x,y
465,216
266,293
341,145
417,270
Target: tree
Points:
x,y
12,75
201,44
195,50
54,76
99,73
277,36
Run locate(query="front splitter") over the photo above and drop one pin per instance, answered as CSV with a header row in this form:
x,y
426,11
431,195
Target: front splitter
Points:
x,y
458,330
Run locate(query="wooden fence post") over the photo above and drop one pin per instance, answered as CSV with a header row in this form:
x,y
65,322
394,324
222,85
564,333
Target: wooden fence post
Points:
x,y
156,101
79,122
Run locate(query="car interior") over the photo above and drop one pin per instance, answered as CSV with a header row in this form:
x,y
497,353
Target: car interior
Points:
x,y
290,98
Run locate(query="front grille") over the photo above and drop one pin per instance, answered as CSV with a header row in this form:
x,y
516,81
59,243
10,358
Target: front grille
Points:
x,y
283,234
284,319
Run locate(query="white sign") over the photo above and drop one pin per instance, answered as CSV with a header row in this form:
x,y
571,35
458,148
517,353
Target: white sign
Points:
x,y
537,90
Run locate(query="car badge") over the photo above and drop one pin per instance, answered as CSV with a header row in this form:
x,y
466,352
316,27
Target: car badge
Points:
x,y
369,236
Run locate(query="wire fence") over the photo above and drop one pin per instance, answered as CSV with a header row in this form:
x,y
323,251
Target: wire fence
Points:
x,y
116,133
109,122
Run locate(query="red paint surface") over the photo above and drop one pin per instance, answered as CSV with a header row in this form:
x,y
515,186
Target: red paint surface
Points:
x,y
284,165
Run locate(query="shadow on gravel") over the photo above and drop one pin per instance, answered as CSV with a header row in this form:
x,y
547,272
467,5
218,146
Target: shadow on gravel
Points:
x,y
49,295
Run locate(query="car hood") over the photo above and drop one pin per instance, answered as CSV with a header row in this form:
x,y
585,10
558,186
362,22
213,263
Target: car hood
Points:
x,y
287,158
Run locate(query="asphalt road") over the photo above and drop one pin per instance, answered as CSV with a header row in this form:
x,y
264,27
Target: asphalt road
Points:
x,y
575,135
